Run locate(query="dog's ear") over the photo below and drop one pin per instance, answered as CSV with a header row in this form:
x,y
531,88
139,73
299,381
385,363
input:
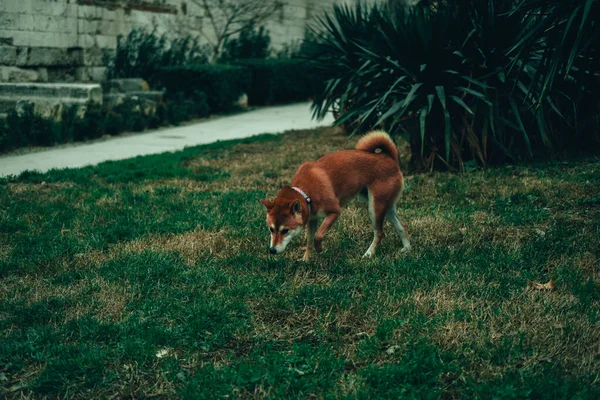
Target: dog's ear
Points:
x,y
268,203
295,207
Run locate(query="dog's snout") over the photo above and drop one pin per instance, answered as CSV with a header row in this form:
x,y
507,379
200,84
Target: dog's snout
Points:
x,y
273,250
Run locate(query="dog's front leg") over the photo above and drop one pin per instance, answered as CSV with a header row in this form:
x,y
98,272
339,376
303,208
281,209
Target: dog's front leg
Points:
x,y
327,223
310,237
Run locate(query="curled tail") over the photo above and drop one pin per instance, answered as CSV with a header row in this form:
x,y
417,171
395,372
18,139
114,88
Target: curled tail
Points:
x,y
378,142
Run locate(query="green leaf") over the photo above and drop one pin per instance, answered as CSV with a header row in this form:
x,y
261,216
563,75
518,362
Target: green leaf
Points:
x,y
448,130
476,94
501,76
517,114
476,82
461,103
401,105
430,99
441,95
423,119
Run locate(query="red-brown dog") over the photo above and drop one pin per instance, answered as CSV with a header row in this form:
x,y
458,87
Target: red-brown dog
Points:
x,y
320,188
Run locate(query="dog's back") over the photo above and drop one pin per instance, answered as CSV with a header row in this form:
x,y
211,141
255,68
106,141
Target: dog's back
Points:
x,y
345,173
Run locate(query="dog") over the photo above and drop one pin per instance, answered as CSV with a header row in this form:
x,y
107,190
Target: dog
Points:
x,y
319,189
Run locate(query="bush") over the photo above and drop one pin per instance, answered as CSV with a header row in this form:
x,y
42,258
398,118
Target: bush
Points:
x,y
280,80
446,75
226,83
222,84
28,128
249,44
140,53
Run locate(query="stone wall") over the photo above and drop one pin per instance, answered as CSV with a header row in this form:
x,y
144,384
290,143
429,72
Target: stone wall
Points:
x,y
68,40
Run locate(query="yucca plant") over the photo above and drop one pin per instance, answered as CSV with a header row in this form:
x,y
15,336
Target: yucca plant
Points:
x,y
564,35
442,73
333,43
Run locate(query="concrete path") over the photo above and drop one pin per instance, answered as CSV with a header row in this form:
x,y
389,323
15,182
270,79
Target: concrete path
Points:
x,y
264,120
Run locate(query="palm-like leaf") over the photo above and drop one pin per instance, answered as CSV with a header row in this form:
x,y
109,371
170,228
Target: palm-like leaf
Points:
x,y
452,76
568,32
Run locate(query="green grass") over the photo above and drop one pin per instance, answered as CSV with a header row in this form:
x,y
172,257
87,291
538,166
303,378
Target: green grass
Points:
x,y
150,278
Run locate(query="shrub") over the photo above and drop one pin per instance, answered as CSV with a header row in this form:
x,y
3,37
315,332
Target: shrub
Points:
x,y
26,128
444,74
251,43
280,80
140,53
180,109
222,84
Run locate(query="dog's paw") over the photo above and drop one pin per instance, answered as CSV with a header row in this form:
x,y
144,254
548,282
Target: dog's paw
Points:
x,y
406,249
318,246
306,258
369,254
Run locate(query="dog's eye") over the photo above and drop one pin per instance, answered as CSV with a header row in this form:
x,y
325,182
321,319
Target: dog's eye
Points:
x,y
272,230
284,231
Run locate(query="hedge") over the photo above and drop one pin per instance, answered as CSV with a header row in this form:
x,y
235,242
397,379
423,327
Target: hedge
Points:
x,y
222,84
26,128
280,80
192,91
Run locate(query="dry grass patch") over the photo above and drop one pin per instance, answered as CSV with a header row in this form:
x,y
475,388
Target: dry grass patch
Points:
x,y
5,251
434,230
37,188
270,165
277,323
438,300
555,329
190,245
94,296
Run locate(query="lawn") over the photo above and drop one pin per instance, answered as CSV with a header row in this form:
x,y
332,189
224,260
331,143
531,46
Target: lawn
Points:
x,y
150,277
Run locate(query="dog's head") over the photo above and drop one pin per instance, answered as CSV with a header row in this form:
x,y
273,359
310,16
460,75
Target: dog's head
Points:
x,y
284,220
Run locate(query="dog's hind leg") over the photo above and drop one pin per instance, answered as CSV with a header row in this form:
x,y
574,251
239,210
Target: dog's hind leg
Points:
x,y
377,216
392,216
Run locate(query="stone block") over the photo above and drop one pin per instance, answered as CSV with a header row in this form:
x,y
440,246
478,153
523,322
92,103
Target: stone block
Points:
x,y
127,85
90,74
43,74
146,101
110,28
109,15
62,74
106,42
8,55
16,6
53,57
16,22
87,27
53,39
94,56
58,24
65,92
15,74
54,8
16,38
52,110
89,12
22,53
242,101
86,41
